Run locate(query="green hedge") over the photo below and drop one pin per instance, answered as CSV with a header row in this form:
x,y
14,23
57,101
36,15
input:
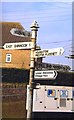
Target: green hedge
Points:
x,y
15,75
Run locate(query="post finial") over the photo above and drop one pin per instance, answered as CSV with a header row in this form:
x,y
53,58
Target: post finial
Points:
x,y
34,25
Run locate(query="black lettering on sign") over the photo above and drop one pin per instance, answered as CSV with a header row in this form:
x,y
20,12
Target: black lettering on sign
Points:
x,y
8,46
14,46
24,45
20,45
46,52
45,75
38,75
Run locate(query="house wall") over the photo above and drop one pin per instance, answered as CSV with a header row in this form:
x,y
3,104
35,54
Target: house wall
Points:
x,y
19,59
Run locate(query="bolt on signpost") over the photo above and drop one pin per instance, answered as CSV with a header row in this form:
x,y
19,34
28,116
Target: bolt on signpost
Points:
x,y
34,28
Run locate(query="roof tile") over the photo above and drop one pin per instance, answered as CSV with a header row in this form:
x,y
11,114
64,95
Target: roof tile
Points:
x,y
7,37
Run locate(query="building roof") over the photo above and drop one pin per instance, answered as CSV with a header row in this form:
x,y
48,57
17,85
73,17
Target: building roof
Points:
x,y
8,37
49,66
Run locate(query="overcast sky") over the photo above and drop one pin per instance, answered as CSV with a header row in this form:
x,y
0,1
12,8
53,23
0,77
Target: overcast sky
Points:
x,y
54,19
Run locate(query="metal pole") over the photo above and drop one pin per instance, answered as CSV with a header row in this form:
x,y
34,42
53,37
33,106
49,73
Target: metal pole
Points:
x,y
34,27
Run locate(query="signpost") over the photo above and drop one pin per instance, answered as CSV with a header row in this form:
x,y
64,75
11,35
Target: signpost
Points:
x,y
49,74
49,52
17,45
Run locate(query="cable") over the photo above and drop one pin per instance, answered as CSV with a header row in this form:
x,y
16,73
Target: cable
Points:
x,y
55,42
20,10
28,22
68,45
30,17
39,15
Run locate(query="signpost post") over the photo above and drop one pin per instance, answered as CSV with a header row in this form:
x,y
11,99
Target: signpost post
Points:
x,y
49,52
34,28
49,74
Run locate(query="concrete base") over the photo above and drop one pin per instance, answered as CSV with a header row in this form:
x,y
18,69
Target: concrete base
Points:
x,y
53,115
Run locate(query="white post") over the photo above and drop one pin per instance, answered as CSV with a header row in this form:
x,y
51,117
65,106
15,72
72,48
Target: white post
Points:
x,y
34,28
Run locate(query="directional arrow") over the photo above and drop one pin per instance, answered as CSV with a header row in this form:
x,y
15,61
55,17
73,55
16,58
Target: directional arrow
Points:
x,y
70,56
18,45
49,52
50,74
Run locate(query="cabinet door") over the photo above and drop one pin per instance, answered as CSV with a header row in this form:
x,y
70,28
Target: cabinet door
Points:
x,y
39,99
64,101
50,98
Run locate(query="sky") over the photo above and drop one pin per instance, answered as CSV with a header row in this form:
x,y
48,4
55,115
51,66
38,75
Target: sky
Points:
x,y
54,19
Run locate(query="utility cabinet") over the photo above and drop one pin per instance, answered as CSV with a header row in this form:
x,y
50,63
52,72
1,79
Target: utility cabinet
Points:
x,y
53,99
